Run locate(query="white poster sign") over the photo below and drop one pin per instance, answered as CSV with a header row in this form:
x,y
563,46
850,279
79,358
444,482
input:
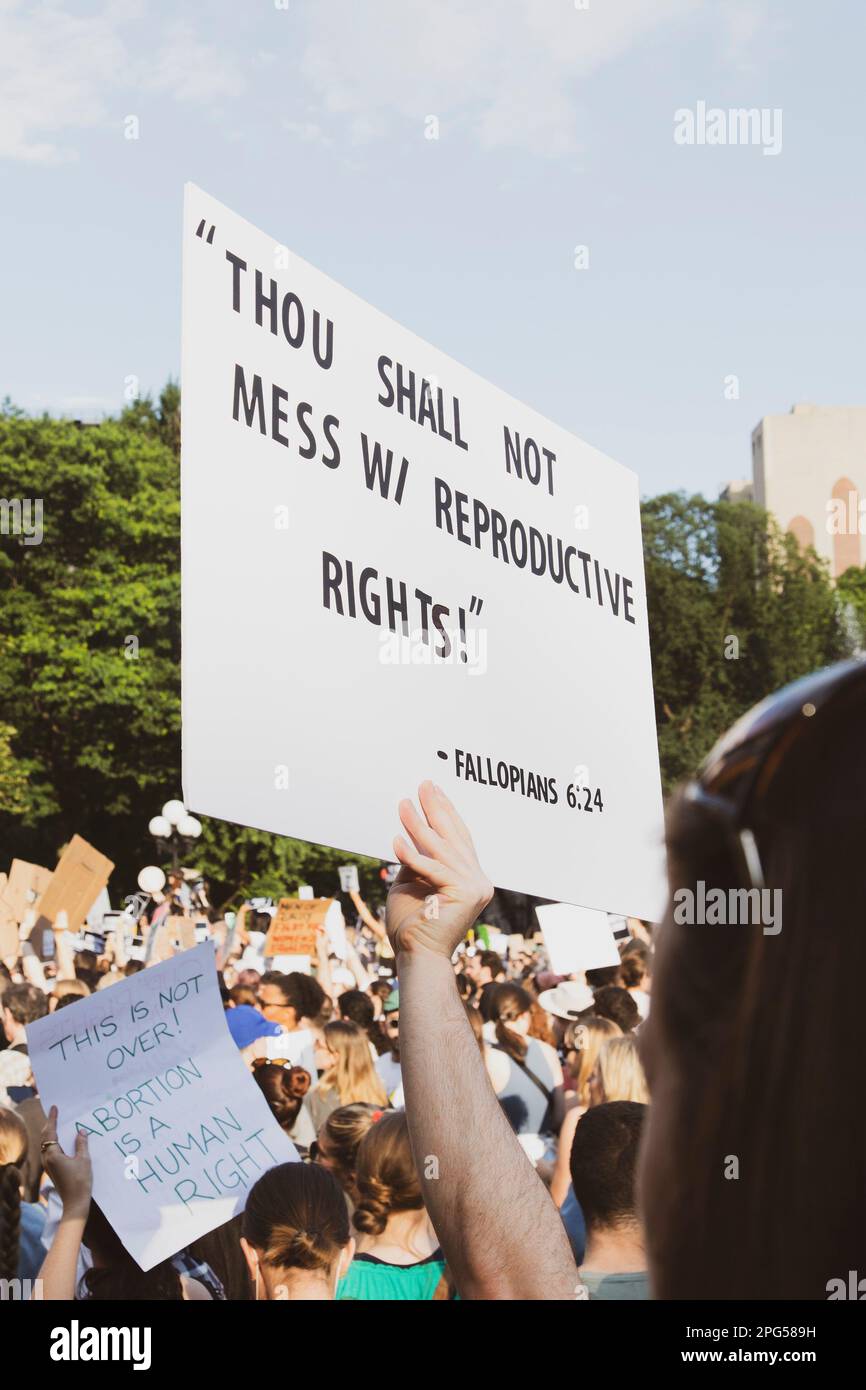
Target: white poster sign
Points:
x,y
428,579
349,882
177,1129
576,938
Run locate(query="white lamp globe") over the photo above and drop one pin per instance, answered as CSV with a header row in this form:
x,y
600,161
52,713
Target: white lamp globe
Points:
x,y
160,827
174,811
189,827
151,879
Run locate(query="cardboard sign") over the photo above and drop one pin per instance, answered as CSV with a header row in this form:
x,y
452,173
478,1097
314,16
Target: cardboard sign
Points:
x,y
181,932
464,578
81,874
177,1129
296,926
576,938
8,937
24,887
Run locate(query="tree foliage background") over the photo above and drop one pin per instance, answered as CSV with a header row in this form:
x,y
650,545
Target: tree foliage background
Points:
x,y
90,646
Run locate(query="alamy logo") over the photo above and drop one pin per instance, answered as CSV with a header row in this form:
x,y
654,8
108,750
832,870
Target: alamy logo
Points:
x,y
739,126
76,1343
21,516
853,1288
20,1290
720,907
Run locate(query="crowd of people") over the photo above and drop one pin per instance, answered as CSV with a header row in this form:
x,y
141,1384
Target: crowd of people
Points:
x,y
682,1124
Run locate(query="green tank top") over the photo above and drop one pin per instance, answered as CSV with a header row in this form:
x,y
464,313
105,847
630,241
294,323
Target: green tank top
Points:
x,y
372,1279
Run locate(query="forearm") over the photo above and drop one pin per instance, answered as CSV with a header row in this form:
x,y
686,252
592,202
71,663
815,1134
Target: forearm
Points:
x,y
64,955
500,1232
366,916
59,1267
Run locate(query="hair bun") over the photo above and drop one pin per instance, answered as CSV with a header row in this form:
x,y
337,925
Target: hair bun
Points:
x,y
297,1082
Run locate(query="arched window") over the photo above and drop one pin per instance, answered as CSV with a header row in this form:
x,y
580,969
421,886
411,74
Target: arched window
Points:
x,y
803,531
846,544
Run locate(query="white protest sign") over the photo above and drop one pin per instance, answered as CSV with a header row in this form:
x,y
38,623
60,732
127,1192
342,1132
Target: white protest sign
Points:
x,y
349,881
432,581
178,1130
576,938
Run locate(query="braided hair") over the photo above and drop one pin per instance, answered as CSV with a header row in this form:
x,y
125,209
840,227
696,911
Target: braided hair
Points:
x,y
13,1160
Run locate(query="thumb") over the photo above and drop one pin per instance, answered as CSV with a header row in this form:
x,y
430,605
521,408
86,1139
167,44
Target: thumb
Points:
x,y
81,1144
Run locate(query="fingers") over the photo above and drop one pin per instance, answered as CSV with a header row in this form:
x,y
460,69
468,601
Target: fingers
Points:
x,y
442,814
81,1144
423,836
49,1132
419,866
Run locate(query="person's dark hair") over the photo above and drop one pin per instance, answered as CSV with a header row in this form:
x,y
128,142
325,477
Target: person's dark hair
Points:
x,y
486,996
341,1133
616,1003
603,1162
493,961
754,1040
466,987
25,1003
605,975
381,987
507,1003
357,1007
312,996
132,967
220,1249
64,1000
87,967
115,1276
296,1215
293,996
635,966
13,1176
385,1176
284,1089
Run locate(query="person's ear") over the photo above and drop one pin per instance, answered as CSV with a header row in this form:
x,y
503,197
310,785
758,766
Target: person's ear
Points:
x,y
251,1258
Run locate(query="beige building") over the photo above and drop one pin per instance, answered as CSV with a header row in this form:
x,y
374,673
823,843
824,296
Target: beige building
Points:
x,y
809,470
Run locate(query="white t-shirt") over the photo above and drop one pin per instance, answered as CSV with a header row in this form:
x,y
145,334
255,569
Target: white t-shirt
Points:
x,y
297,1048
390,1072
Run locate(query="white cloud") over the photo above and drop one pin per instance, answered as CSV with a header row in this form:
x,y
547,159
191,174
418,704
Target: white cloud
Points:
x,y
507,69
60,72
54,67
190,70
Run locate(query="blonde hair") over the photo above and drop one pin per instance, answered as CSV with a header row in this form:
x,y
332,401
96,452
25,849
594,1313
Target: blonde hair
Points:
x,y
13,1138
621,1072
63,987
586,1040
352,1075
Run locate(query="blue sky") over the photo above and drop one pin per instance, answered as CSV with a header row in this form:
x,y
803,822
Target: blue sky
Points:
x,y
556,130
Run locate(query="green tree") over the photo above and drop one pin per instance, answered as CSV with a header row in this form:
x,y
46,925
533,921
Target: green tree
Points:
x,y
851,587
736,609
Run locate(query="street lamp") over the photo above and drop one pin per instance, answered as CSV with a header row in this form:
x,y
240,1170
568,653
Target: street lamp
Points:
x,y
175,831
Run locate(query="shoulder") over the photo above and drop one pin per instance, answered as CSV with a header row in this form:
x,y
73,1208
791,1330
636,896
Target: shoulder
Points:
x,y
547,1053
193,1290
498,1066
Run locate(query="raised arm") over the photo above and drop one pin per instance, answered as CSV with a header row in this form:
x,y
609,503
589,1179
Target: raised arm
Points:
x,y
72,1177
366,916
500,1232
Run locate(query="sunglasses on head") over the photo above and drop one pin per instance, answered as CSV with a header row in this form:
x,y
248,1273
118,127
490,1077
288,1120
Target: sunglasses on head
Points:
x,y
736,777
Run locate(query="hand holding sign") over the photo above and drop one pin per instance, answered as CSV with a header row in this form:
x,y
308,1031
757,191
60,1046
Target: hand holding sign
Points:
x,y
441,888
72,1175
